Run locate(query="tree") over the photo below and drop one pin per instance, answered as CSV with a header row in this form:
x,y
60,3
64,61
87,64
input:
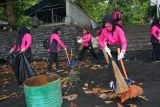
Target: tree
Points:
x,y
96,9
133,11
13,10
10,12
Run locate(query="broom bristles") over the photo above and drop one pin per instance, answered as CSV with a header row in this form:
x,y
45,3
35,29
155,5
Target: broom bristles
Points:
x,y
106,56
120,82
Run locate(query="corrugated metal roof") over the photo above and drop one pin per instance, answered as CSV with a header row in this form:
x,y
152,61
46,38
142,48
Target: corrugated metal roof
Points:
x,y
41,5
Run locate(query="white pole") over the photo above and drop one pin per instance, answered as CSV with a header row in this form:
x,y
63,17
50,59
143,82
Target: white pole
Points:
x,y
158,8
156,3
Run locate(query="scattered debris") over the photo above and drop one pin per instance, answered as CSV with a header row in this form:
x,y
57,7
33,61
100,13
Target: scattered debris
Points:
x,y
70,97
108,102
3,97
88,92
131,105
143,98
140,84
68,88
133,91
13,95
86,84
73,105
119,105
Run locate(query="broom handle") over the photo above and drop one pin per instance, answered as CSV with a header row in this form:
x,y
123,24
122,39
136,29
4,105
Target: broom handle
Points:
x,y
105,55
71,55
67,57
122,64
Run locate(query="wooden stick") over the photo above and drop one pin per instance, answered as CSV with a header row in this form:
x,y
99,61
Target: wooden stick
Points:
x,y
143,98
122,64
71,55
105,55
67,57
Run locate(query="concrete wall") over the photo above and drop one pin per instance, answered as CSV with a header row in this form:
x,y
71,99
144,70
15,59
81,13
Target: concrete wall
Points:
x,y
137,38
68,36
76,15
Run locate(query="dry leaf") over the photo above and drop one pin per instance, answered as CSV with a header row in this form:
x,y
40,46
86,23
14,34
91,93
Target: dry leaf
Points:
x,y
88,92
3,97
140,84
103,96
108,102
70,97
132,105
86,84
73,105
119,105
84,88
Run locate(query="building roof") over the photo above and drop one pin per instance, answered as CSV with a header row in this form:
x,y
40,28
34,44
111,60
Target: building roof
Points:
x,y
43,8
43,5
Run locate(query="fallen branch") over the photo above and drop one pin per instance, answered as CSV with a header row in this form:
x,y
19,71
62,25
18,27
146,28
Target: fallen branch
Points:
x,y
143,98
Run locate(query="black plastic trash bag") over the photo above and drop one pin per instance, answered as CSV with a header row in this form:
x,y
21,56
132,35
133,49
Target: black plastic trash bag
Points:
x,y
21,68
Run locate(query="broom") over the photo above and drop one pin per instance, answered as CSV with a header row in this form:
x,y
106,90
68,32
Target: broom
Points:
x,y
122,64
106,56
123,67
133,90
67,57
71,55
120,82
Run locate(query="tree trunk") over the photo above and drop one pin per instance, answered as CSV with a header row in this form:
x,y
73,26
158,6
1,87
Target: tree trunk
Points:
x,y
10,13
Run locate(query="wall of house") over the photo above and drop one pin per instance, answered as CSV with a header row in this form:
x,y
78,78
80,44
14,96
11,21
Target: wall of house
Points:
x,y
76,15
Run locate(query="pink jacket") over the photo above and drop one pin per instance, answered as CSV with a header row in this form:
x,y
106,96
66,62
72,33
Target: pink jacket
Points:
x,y
117,38
26,43
86,38
99,42
57,38
154,30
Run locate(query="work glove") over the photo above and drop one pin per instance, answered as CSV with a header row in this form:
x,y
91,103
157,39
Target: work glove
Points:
x,y
121,56
111,85
79,41
23,50
107,50
65,49
10,51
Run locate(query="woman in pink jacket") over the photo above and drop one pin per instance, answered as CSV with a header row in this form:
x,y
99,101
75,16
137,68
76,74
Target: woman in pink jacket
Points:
x,y
53,50
23,43
155,39
87,44
117,17
112,37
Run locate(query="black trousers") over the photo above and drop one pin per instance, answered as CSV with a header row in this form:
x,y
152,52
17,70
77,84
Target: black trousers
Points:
x,y
84,49
156,52
53,58
99,57
114,56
